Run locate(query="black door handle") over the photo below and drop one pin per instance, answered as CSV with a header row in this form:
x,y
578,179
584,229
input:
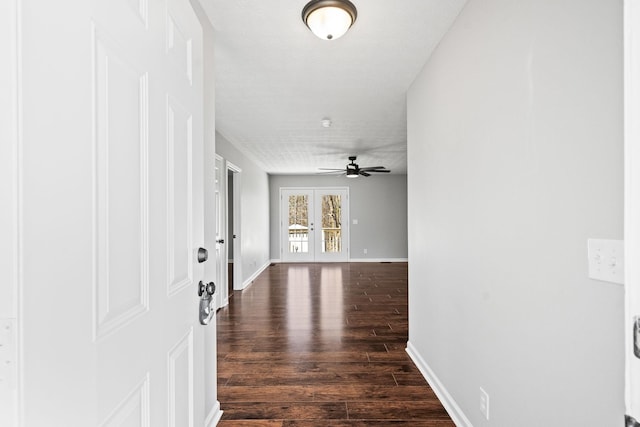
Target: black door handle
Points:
x,y
221,241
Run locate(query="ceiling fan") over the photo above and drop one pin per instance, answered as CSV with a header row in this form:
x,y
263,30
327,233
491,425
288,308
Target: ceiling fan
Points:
x,y
352,169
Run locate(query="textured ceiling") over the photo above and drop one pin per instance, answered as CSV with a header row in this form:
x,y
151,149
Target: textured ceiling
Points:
x,y
276,81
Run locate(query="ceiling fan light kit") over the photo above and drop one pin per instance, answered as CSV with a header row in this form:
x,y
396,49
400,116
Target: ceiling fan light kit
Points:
x,y
329,19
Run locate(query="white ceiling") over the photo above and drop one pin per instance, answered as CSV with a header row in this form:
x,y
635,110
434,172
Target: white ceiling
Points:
x,y
276,81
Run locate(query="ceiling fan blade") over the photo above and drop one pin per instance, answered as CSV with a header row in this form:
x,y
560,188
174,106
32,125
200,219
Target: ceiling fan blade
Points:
x,y
370,168
330,169
336,172
378,170
363,173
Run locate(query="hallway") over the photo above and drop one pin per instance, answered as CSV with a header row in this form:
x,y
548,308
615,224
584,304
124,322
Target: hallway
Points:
x,y
311,345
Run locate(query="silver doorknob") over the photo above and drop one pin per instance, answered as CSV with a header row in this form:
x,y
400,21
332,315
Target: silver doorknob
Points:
x,y
206,308
208,289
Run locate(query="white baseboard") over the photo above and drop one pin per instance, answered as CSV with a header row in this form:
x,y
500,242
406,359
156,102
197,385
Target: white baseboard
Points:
x,y
253,277
450,405
214,416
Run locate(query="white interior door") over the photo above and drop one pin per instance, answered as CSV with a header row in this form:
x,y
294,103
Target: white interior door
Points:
x,y
111,200
632,210
314,224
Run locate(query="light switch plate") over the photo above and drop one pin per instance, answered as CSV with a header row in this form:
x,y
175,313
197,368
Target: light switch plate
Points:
x,y
8,365
606,260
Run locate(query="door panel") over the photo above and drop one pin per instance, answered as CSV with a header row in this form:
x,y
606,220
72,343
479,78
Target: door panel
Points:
x,y
120,159
179,196
314,225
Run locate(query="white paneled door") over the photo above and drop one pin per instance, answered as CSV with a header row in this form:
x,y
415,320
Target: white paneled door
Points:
x,y
109,202
314,224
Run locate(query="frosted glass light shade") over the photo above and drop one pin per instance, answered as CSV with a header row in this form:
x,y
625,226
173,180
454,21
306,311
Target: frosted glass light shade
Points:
x,y
329,19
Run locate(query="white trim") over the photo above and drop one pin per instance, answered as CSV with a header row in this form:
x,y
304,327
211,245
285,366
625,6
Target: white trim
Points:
x,y
18,209
222,276
237,223
255,275
450,405
214,416
631,198
233,168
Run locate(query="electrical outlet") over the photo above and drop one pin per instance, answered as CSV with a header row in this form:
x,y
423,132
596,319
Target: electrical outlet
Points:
x,y
365,251
484,403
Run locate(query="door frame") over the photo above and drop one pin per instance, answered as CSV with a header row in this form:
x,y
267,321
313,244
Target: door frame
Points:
x,y
237,224
10,200
225,200
221,217
631,201
345,221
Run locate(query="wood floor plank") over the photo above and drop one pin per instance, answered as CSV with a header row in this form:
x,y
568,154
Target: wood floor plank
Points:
x,y
285,410
378,394
304,393
324,378
327,353
414,410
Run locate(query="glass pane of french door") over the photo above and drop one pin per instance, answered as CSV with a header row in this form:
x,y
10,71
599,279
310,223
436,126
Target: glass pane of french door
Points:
x,y
331,206
296,212
331,213
298,223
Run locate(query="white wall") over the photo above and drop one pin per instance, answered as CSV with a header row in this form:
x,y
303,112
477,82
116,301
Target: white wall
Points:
x,y
515,159
379,203
254,209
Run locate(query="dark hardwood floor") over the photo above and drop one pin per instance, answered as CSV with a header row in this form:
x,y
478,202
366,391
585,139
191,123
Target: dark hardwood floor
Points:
x,y
322,345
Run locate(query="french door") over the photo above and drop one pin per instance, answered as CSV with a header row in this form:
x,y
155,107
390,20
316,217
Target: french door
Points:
x,y
314,224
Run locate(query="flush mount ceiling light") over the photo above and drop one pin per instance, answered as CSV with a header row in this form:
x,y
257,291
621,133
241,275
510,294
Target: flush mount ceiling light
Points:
x,y
329,19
